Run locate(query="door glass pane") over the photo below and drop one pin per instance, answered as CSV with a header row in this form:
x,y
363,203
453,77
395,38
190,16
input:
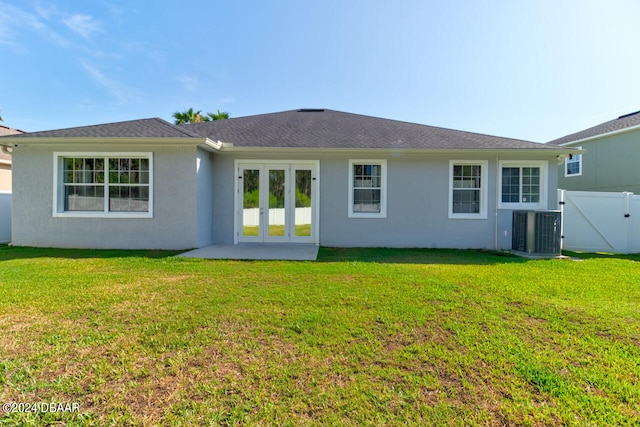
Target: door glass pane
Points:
x,y
303,203
276,202
251,202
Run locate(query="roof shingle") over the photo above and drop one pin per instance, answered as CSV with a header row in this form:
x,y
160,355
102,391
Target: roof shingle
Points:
x,y
319,128
306,128
622,122
142,128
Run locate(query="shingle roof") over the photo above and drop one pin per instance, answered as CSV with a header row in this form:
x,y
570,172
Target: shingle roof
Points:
x,y
319,128
5,130
306,128
143,128
622,122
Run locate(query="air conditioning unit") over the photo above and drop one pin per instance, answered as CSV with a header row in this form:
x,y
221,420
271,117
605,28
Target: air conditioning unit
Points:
x,y
537,232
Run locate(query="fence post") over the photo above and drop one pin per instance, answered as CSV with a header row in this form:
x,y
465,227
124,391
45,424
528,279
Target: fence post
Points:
x,y
561,207
627,223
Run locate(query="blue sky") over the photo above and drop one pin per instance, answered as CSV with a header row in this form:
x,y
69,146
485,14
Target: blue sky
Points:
x,y
534,70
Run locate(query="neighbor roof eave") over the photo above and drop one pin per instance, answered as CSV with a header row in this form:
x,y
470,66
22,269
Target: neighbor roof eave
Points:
x,y
601,135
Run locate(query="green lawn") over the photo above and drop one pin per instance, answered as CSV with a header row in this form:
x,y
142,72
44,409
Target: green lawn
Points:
x,y
360,337
277,230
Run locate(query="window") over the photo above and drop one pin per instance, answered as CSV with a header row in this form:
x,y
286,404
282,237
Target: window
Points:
x,y
468,189
103,184
367,188
573,164
523,185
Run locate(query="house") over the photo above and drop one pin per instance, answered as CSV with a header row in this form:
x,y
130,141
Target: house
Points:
x,y
612,153
312,176
5,161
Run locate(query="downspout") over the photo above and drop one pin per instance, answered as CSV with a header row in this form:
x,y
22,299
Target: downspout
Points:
x,y
5,150
497,200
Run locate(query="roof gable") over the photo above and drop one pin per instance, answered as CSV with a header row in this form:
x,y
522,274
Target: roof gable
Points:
x,y
619,124
321,128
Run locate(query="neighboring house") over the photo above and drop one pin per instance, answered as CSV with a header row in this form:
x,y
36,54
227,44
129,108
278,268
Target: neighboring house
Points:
x,y
5,161
305,176
611,157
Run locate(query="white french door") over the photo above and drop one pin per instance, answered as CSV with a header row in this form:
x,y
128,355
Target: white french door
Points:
x,y
276,202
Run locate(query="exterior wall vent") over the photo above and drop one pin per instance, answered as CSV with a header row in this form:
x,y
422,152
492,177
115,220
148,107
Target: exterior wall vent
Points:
x,y
537,232
311,110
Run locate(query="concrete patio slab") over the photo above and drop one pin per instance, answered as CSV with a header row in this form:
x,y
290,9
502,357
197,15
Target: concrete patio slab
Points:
x,y
290,252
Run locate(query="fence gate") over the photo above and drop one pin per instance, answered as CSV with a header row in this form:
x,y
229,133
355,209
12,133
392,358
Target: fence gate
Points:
x,y
600,222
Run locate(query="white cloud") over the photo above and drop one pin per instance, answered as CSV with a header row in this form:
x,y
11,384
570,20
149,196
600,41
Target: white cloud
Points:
x,y
15,21
82,24
123,93
189,82
11,21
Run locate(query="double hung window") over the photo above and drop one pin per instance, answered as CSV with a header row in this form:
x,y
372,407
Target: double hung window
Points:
x,y
468,189
103,184
573,165
367,188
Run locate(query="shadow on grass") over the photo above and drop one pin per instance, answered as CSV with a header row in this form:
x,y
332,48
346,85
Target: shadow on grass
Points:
x,y
11,252
325,254
602,255
417,256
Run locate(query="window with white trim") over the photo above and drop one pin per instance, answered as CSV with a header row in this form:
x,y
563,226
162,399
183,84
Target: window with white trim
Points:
x,y
468,189
573,164
522,185
367,188
97,184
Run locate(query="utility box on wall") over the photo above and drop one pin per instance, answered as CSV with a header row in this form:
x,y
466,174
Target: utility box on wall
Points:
x,y
537,232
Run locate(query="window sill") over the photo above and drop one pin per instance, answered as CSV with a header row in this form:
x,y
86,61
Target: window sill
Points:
x,y
467,216
137,215
367,215
522,206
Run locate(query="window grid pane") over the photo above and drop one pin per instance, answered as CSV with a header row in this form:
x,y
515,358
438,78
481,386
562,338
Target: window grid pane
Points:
x,y
530,185
83,198
510,185
367,188
573,165
521,185
85,187
467,185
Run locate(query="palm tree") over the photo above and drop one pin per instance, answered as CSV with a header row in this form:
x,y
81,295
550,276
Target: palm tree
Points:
x,y
220,115
190,116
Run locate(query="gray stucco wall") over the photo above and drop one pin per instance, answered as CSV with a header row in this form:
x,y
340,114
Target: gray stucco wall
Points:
x,y
206,184
417,205
173,225
194,202
609,164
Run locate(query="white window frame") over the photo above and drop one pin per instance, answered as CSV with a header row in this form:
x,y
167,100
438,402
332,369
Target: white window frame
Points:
x,y
577,158
383,188
58,185
484,191
544,178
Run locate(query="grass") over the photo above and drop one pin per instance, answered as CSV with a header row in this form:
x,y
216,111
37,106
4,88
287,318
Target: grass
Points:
x,y
277,230
361,337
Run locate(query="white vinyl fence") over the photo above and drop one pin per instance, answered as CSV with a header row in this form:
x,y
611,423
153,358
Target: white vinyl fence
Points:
x,y
600,222
5,217
251,217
